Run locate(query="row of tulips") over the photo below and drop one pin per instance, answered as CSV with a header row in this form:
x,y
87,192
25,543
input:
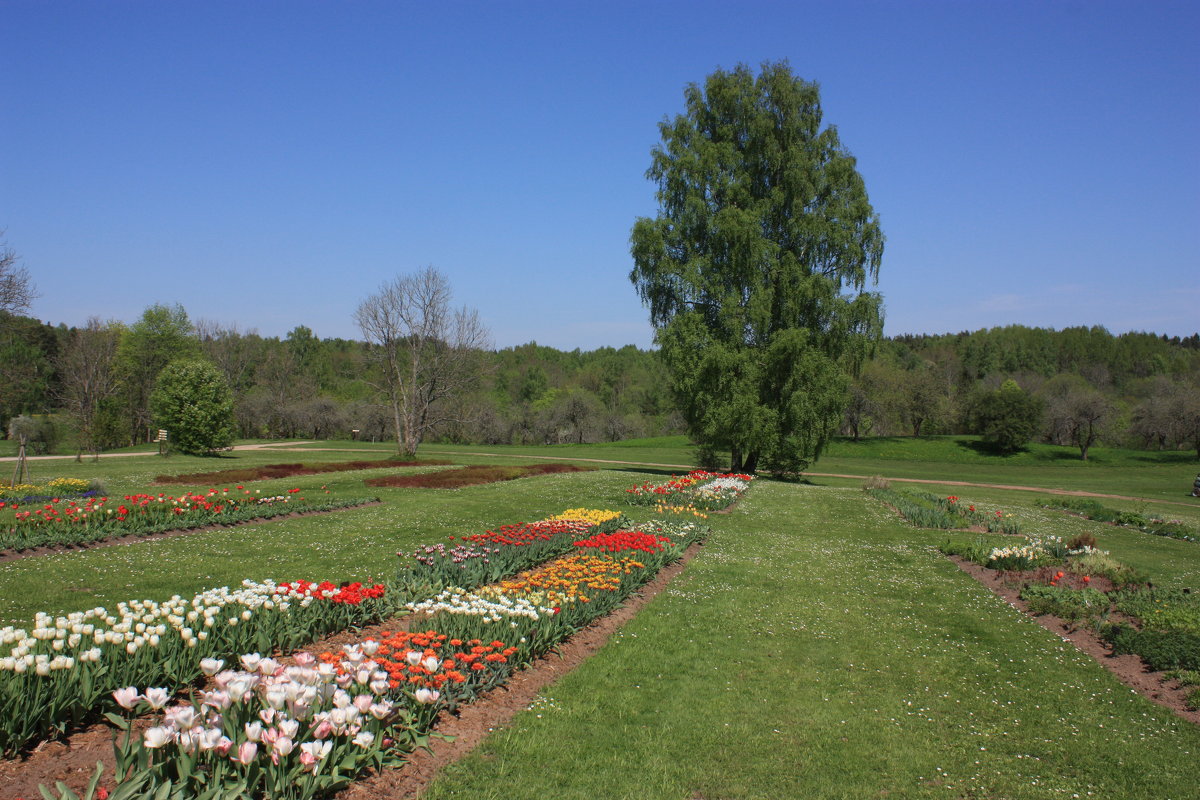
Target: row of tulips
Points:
x,y
699,491
60,672
67,521
482,558
55,487
304,731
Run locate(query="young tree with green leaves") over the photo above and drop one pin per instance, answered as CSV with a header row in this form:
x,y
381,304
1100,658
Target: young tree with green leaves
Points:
x,y
192,402
161,335
754,268
1009,417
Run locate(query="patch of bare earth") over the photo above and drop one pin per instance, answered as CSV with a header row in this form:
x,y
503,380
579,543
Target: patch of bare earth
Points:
x,y
1129,668
73,760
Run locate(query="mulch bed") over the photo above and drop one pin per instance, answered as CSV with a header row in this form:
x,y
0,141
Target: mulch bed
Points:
x,y
471,476
274,471
73,760
1129,669
134,538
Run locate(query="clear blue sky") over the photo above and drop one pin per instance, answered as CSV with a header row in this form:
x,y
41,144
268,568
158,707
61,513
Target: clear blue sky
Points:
x,y
270,164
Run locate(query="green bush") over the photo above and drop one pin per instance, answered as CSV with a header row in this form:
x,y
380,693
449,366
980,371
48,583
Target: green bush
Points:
x,y
1161,650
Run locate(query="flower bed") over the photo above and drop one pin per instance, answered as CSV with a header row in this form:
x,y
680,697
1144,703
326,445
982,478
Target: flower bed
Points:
x,y
925,510
59,673
485,557
56,487
697,492
64,521
1174,529
305,731
1056,578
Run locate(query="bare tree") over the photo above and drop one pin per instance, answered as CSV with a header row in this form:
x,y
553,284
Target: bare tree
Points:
x,y
16,291
427,352
87,366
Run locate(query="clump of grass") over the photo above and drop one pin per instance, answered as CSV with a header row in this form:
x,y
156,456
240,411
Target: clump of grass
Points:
x,y
273,471
1103,564
471,476
877,482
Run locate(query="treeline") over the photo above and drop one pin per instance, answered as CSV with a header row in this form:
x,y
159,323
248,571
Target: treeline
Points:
x,y
1135,389
90,386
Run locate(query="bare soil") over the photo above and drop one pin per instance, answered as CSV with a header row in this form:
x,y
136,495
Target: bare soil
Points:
x,y
73,760
1129,669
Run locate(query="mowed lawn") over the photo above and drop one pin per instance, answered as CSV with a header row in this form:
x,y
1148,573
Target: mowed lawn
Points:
x,y
817,647
820,648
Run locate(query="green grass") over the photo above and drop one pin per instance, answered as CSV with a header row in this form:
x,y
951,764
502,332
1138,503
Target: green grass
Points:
x,y
817,647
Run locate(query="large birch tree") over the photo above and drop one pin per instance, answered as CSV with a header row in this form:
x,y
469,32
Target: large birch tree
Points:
x,y
755,267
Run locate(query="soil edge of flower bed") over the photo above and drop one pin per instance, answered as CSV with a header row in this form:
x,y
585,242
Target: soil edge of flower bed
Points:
x,y
1129,669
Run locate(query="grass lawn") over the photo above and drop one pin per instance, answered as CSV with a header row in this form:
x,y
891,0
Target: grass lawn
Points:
x,y
817,647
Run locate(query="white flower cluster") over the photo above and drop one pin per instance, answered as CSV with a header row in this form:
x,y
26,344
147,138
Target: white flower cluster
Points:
x,y
456,600
61,642
726,483
304,708
1026,551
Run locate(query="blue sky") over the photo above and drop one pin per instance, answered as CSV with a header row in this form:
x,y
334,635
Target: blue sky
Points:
x,y
271,164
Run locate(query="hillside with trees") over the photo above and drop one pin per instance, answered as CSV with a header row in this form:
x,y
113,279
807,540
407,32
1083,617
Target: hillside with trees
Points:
x,y
85,388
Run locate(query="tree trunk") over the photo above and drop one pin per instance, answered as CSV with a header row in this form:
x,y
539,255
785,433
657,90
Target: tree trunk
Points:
x,y
751,464
735,459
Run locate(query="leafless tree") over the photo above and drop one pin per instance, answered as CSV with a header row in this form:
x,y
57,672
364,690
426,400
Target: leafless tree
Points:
x,y
427,351
235,353
87,367
16,291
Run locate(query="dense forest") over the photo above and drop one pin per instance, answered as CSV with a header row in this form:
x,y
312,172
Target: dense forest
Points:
x,y
87,388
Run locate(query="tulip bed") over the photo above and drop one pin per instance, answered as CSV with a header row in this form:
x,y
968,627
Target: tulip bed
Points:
x,y
61,672
56,487
303,731
1162,627
65,521
486,557
698,491
926,510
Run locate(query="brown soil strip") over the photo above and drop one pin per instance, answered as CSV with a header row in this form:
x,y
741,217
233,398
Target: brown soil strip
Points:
x,y
134,538
474,475
73,760
1129,669
276,471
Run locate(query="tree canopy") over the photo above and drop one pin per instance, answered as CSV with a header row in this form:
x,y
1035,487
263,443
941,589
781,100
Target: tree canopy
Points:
x,y
191,400
755,267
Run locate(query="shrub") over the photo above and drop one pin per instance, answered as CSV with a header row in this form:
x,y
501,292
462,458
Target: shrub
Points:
x,y
1161,650
876,482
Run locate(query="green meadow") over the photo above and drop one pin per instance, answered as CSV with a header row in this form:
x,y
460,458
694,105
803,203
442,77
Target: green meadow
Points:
x,y
817,646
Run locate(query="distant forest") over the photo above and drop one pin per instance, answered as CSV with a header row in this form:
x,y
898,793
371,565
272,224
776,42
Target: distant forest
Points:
x,y
1140,387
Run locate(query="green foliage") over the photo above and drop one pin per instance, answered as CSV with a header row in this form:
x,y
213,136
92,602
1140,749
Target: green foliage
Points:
x,y
923,511
161,335
1069,604
192,402
1008,417
754,268
1161,609
1161,650
1092,509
